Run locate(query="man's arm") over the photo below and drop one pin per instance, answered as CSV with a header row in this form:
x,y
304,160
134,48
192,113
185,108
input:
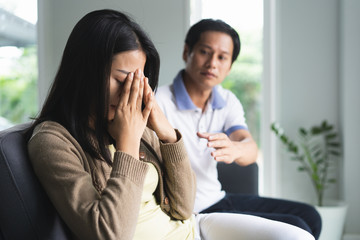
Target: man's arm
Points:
x,y
239,146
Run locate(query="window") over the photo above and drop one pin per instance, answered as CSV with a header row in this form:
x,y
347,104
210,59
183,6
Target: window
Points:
x,y
244,80
18,60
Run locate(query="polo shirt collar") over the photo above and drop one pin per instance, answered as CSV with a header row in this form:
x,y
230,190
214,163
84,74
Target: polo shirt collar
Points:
x,y
183,100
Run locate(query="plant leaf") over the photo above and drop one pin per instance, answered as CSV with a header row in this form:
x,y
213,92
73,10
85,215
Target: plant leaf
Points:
x,y
284,139
330,136
315,130
302,131
301,169
335,153
333,144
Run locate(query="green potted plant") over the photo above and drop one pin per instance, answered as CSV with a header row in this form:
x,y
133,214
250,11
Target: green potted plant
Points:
x,y
317,151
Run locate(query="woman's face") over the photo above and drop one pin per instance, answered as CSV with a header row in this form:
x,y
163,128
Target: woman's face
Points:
x,y
122,64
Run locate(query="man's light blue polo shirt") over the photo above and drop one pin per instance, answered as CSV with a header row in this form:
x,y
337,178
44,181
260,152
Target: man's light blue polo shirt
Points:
x,y
223,113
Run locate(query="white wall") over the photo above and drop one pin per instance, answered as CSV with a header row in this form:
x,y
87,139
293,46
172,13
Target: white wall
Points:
x,y
350,112
318,69
165,21
308,77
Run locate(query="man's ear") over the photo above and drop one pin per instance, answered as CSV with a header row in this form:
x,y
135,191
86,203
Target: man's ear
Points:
x,y
185,52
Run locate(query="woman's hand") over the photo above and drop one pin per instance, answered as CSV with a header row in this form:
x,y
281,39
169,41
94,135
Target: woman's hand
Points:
x,y
157,120
130,120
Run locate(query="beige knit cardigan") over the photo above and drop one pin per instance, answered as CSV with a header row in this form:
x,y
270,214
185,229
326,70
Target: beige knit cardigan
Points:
x,y
98,201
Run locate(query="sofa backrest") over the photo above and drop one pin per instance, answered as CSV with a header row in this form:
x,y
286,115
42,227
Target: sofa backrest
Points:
x,y
25,210
238,179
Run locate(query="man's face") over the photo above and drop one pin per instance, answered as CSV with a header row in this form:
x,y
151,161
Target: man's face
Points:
x,y
210,60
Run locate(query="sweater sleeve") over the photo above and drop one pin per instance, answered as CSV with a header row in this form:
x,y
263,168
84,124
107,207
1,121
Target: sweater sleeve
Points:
x,y
179,179
59,163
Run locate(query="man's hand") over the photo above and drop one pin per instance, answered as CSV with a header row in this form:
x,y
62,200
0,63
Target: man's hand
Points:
x,y
239,147
225,150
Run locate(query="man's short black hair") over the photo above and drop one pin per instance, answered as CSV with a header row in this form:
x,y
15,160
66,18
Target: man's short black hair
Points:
x,y
204,25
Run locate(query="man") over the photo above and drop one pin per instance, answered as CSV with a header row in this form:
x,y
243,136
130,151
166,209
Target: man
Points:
x,y
211,120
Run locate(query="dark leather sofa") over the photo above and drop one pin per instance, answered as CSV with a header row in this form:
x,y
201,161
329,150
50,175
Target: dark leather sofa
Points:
x,y
27,213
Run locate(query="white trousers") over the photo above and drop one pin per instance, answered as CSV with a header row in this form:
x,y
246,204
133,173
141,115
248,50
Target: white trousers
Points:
x,y
231,226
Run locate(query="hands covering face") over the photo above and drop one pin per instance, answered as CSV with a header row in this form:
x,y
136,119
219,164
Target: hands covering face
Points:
x,y
130,119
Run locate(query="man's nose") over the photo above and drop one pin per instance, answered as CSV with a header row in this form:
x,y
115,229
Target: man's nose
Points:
x,y
212,61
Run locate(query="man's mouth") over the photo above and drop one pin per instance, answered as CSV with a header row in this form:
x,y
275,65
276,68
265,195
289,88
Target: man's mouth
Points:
x,y
208,74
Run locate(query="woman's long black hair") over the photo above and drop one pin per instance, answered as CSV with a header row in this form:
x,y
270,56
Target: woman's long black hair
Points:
x,y
80,90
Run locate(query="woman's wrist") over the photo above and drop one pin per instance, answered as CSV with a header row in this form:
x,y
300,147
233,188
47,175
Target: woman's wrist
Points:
x,y
170,137
127,147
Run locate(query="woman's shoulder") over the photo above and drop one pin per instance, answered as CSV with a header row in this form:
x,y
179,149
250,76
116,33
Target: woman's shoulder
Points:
x,y
50,131
51,138
49,127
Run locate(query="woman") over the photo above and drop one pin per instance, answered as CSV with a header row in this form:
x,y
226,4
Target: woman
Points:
x,y
109,160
